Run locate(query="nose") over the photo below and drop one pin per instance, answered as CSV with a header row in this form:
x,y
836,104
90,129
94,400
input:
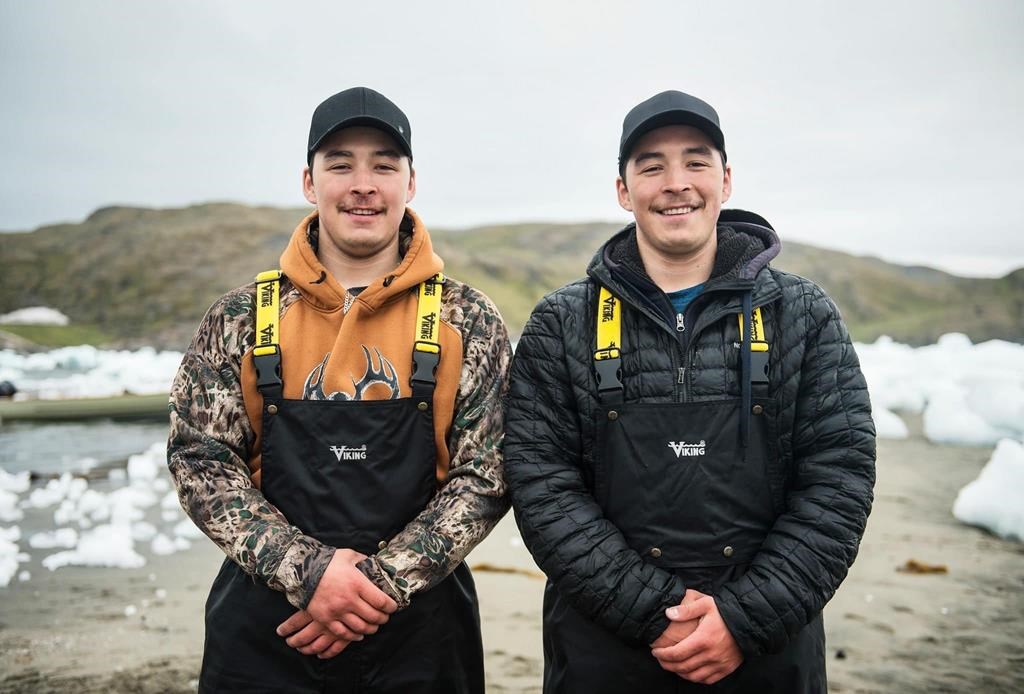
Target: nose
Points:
x,y
677,180
362,183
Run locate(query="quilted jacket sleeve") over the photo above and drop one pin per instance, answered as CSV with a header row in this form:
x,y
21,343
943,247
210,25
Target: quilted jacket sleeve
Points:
x,y
583,554
813,543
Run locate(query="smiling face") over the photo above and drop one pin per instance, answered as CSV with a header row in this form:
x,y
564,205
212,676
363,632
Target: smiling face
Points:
x,y
675,184
360,183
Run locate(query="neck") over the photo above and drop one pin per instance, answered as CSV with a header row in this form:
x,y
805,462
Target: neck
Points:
x,y
352,271
673,272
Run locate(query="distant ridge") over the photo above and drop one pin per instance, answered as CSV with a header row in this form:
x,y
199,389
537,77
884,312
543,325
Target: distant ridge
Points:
x,y
146,276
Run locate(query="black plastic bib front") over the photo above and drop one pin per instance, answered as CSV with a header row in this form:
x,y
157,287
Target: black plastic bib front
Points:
x,y
351,474
678,483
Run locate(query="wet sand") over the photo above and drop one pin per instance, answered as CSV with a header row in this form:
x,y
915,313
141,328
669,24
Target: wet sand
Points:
x,y
887,630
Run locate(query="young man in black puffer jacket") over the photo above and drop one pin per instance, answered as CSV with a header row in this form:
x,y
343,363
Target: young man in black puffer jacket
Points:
x,y
689,440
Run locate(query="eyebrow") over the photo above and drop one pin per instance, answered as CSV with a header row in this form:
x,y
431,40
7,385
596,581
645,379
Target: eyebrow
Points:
x,y
340,153
703,150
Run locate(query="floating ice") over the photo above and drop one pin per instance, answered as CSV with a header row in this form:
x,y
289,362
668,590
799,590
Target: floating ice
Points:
x,y
145,466
104,545
35,315
9,510
10,557
995,500
61,537
84,371
18,482
164,545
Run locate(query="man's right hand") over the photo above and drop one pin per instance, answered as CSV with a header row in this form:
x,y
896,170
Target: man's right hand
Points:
x,y
677,631
346,602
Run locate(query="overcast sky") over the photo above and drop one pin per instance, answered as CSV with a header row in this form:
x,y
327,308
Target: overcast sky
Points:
x,y
882,128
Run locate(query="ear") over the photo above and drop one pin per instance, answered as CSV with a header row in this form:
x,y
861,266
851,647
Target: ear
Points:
x,y
727,183
623,193
411,192
308,191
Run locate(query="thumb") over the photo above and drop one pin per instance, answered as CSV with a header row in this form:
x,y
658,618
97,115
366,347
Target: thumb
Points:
x,y
690,610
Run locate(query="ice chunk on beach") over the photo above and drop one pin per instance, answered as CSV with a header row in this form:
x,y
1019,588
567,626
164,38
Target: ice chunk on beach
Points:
x,y
9,510
18,483
970,394
165,545
888,425
188,529
10,557
948,419
104,545
55,491
61,537
35,315
995,500
144,467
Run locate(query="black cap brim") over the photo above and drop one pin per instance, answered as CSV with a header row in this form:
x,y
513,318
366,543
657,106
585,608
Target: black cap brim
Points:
x,y
666,118
365,121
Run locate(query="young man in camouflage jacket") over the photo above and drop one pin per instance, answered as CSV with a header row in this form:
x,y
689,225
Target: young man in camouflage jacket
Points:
x,y
347,456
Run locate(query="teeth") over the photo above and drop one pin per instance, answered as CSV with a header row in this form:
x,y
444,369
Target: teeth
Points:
x,y
366,213
678,210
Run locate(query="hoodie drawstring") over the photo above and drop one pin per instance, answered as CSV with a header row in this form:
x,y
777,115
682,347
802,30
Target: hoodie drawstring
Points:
x,y
746,375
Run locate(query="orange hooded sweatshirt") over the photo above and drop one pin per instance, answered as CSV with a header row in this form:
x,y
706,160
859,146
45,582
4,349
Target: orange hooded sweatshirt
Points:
x,y
325,350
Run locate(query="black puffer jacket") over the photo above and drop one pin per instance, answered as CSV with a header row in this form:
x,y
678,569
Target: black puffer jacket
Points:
x,y
822,468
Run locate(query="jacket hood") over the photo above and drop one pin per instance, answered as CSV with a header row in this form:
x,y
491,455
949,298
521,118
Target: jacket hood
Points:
x,y
300,264
746,244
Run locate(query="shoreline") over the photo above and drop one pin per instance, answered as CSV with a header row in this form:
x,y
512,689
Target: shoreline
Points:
x,y
886,629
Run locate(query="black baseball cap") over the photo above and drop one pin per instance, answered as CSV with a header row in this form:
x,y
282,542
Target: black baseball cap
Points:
x,y
668,108
358,106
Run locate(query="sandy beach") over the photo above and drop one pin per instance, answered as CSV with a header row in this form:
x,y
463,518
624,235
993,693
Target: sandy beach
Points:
x,y
888,630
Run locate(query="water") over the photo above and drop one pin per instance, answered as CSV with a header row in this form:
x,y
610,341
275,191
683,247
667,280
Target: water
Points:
x,y
50,449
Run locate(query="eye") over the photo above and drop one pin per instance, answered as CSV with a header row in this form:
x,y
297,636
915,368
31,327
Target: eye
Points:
x,y
698,164
655,168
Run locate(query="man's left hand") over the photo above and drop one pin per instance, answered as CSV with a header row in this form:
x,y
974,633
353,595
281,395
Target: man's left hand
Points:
x,y
709,653
310,637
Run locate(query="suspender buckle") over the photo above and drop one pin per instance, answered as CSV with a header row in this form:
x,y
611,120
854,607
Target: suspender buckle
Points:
x,y
425,358
267,360
758,363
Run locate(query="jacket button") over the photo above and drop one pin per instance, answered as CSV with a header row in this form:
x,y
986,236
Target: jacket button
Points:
x,y
382,545
422,406
727,551
655,552
757,409
613,415
271,409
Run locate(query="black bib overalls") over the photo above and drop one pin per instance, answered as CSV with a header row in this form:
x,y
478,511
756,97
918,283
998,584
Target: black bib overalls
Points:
x,y
686,492
351,474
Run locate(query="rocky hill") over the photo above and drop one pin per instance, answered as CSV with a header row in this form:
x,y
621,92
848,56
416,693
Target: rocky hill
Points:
x,y
145,276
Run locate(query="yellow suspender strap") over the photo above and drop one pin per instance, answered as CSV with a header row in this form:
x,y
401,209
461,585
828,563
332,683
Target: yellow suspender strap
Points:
x,y
268,308
426,342
267,354
609,326
608,355
757,339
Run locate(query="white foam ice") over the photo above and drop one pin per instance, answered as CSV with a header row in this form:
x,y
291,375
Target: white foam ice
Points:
x,y
995,500
888,424
34,315
9,511
18,482
969,394
61,537
10,555
105,545
85,371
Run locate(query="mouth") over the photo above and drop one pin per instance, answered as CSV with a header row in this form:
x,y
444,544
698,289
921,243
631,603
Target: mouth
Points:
x,y
680,211
362,211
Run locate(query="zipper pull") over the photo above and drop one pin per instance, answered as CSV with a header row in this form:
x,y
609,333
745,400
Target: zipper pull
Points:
x,y
680,322
682,374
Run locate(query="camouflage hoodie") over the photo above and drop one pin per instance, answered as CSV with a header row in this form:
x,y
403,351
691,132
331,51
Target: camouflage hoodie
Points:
x,y
328,340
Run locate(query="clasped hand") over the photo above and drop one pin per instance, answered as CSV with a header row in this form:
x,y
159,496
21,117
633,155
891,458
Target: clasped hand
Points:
x,y
345,607
697,645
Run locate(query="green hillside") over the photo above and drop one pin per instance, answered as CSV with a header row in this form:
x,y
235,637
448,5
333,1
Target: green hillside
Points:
x,y
146,276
